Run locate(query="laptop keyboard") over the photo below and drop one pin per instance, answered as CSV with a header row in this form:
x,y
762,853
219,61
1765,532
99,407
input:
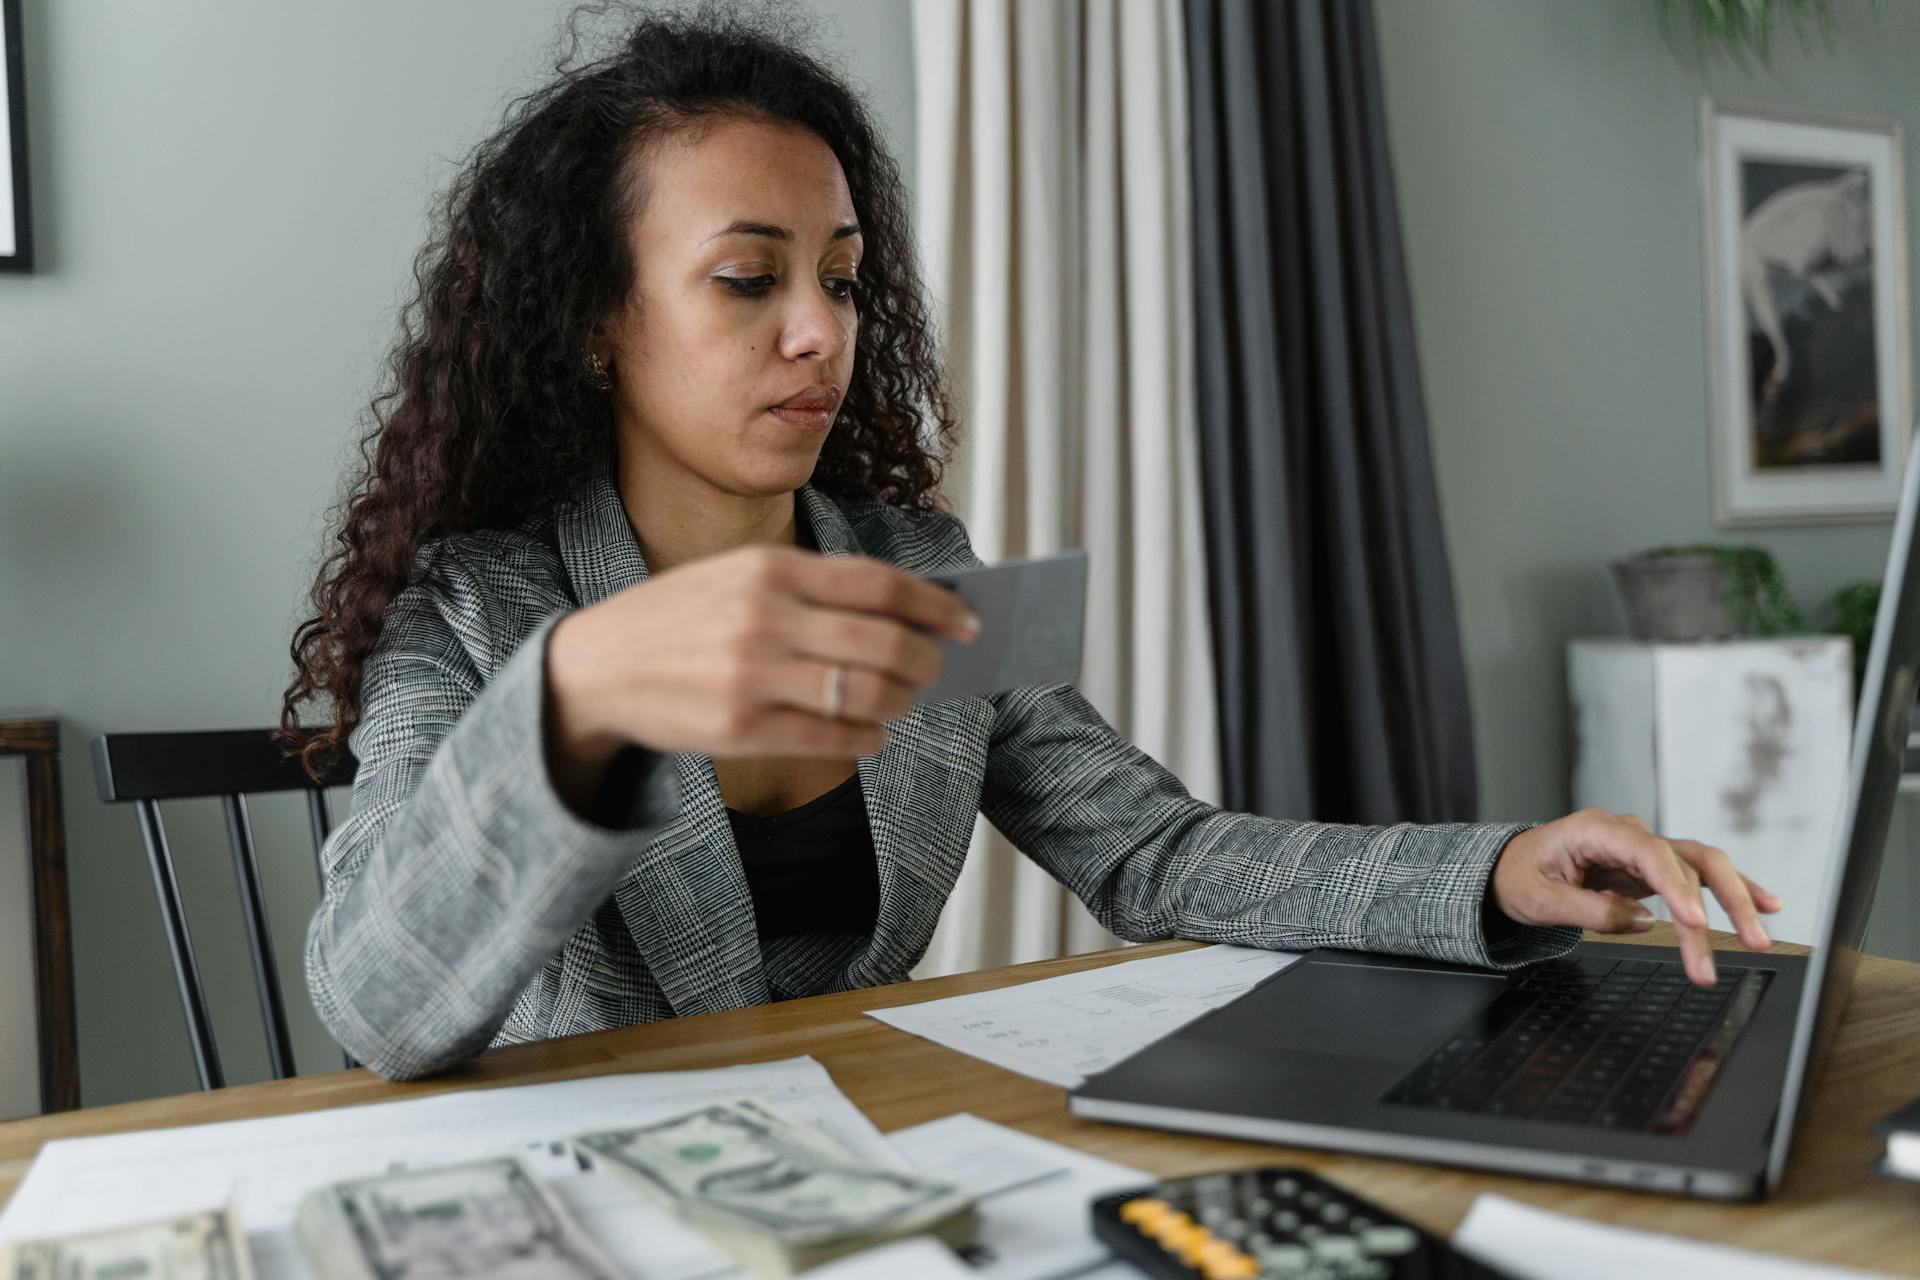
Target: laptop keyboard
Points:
x,y
1622,1044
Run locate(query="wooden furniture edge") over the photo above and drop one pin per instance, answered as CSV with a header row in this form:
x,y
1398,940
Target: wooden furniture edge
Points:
x,y
29,735
37,739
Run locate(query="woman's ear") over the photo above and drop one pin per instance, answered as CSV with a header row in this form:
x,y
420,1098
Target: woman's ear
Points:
x,y
596,358
607,338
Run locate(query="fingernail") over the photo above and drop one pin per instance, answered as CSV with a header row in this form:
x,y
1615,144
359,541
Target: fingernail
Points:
x,y
1765,941
1642,921
970,626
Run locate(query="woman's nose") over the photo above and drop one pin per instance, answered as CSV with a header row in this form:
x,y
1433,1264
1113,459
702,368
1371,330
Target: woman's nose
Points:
x,y
813,327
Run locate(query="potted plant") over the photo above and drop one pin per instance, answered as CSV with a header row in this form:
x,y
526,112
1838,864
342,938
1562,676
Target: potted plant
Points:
x,y
1705,591
1744,29
1853,609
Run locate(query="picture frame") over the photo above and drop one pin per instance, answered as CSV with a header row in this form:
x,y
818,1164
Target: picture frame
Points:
x,y
16,223
1809,342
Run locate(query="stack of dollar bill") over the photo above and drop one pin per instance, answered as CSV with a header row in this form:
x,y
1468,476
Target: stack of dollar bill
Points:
x,y
193,1246
488,1218
776,1194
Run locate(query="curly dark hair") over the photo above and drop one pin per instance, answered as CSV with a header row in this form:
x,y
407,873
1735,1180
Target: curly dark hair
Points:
x,y
488,413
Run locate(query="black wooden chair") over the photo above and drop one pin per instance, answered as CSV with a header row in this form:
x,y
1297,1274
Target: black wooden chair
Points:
x,y
147,768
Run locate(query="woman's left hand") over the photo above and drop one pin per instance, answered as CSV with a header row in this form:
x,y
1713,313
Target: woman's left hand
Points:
x,y
1589,868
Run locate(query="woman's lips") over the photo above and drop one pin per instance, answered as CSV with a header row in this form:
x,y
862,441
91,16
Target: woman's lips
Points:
x,y
812,409
811,419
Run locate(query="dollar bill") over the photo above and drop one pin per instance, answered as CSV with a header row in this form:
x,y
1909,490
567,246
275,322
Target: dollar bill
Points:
x,y
485,1218
776,1194
780,1122
193,1246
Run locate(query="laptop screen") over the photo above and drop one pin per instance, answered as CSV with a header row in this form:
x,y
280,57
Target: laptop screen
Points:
x,y
1879,748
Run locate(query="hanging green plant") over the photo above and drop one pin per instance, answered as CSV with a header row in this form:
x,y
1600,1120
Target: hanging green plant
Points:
x,y
1745,28
1853,608
1757,599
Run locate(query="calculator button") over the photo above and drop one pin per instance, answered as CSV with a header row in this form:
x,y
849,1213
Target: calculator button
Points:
x,y
1285,1257
1144,1210
1178,1236
1288,1221
1336,1250
1173,1240
1388,1241
1239,1267
1218,1252
1197,1246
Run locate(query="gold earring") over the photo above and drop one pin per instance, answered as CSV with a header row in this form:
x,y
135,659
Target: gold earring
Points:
x,y
597,373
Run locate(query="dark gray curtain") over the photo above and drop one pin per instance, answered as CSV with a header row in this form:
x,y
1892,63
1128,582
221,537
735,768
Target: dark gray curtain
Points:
x,y
1343,693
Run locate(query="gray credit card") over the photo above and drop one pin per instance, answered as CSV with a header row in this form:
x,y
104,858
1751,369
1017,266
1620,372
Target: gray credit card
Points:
x,y
1032,616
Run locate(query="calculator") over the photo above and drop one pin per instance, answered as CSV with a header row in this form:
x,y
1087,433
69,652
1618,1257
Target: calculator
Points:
x,y
1269,1223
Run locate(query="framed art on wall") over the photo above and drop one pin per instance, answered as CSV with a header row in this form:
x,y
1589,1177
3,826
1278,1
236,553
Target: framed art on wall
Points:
x,y
1807,305
16,233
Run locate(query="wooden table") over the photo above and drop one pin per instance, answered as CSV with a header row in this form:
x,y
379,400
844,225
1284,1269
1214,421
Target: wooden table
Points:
x,y
1832,1208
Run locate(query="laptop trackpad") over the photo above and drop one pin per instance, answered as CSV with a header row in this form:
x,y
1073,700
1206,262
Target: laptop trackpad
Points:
x,y
1348,1009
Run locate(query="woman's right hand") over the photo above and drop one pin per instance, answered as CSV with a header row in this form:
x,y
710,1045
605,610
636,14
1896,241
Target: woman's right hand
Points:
x,y
734,655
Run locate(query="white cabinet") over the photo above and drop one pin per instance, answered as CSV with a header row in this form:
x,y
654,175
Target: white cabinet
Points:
x,y
1739,743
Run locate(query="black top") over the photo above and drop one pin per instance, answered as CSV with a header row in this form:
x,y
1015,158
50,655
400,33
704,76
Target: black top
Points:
x,y
811,869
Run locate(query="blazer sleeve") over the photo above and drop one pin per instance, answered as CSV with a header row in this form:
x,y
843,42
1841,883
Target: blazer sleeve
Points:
x,y
1150,861
460,871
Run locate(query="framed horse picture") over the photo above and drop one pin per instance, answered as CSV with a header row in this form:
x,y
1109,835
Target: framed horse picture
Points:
x,y
16,231
1812,395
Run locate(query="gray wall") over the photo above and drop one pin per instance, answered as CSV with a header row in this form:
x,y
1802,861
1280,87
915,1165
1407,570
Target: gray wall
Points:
x,y
227,198
1546,158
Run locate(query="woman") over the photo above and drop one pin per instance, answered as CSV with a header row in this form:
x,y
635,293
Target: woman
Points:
x,y
626,617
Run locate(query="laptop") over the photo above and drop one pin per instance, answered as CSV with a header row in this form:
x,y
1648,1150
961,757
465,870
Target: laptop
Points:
x,y
1604,1066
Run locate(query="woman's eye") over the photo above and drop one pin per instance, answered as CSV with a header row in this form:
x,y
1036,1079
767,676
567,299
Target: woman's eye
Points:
x,y
841,288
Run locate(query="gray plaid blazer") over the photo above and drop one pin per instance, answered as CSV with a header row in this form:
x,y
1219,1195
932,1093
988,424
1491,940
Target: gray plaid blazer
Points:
x,y
465,904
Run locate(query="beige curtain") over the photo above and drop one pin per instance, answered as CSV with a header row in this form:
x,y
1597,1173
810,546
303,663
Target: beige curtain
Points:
x,y
1052,206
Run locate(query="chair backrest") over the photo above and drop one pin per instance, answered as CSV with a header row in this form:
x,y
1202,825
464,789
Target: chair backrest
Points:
x,y
231,764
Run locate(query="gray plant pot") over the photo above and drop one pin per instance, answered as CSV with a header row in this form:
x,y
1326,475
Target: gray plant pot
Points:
x,y
1674,597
